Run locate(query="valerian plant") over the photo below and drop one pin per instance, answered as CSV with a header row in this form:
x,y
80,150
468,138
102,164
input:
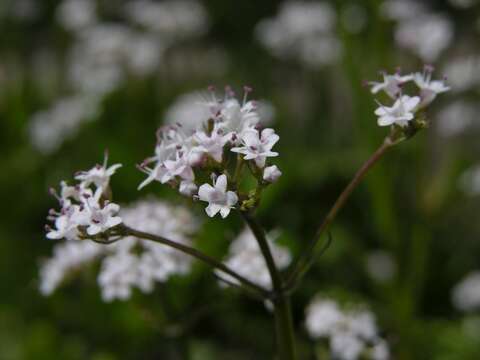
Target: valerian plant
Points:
x,y
214,160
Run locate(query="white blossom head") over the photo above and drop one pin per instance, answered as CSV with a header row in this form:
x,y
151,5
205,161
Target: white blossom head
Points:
x,y
220,137
406,115
351,330
85,208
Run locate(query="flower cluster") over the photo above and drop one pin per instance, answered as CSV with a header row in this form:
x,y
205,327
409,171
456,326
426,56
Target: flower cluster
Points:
x,y
227,138
86,211
132,262
402,112
246,259
352,333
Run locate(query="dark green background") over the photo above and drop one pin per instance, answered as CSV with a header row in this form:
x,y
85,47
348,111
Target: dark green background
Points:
x,y
409,205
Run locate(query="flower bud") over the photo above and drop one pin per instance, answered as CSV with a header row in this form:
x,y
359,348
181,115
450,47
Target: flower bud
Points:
x,y
271,174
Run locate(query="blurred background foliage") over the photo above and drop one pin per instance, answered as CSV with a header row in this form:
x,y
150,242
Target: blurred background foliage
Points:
x,y
410,210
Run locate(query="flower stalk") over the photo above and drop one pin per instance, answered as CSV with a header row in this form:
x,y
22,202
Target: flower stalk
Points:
x,y
285,336
127,231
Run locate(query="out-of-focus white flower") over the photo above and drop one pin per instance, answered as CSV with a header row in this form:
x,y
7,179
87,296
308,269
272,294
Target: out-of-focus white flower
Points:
x,y
67,257
175,19
187,188
258,146
427,36
400,113
380,351
76,15
391,84
48,129
219,199
23,10
117,276
322,317
380,266
304,30
456,117
466,294
144,55
352,332
463,4
462,72
346,346
402,9
271,173
429,88
470,181
189,111
245,258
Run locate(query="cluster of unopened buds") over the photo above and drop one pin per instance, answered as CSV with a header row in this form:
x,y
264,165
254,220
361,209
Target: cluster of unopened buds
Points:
x,y
85,208
405,114
210,161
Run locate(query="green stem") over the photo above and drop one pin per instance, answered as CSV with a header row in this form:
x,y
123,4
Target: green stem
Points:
x,y
305,261
284,329
126,231
285,336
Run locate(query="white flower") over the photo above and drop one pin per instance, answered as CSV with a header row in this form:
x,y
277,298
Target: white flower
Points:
x,y
218,198
155,174
400,113
346,346
245,257
322,316
66,225
98,175
271,173
212,144
392,84
101,218
179,167
428,88
257,146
